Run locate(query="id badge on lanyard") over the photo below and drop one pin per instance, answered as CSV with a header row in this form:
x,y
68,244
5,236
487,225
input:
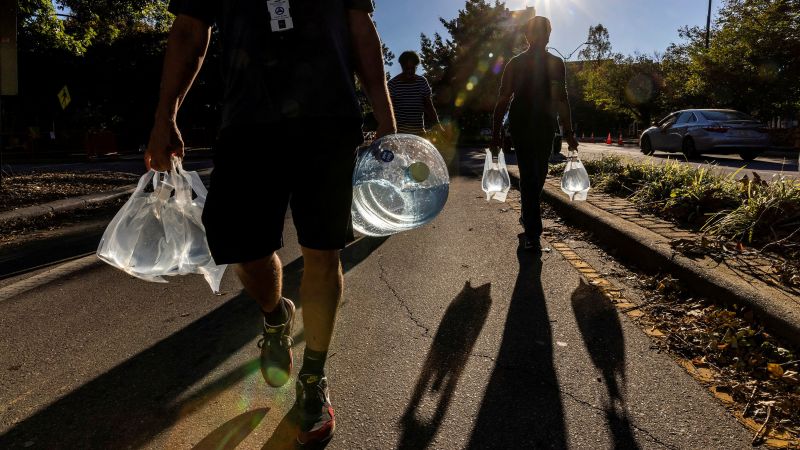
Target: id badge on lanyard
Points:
x,y
280,18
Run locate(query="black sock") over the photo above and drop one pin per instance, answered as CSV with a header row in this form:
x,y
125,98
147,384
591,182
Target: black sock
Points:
x,y
313,363
277,316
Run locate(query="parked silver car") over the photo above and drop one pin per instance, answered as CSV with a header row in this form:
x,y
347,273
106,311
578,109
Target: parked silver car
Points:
x,y
697,131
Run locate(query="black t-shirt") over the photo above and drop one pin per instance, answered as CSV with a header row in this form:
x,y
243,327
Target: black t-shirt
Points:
x,y
536,74
296,65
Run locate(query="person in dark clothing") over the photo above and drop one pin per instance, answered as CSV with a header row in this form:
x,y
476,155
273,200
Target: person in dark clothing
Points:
x,y
288,70
411,98
534,84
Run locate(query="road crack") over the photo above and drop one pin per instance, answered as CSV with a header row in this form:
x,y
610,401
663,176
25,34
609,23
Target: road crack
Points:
x,y
400,301
599,409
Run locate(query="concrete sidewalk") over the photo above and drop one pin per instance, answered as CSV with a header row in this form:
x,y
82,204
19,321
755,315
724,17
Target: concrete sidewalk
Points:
x,y
646,241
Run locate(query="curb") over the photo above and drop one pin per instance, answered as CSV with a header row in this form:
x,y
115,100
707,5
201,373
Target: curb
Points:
x,y
68,205
63,206
653,252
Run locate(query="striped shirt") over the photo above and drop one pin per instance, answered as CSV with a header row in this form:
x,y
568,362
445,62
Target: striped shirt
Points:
x,y
408,99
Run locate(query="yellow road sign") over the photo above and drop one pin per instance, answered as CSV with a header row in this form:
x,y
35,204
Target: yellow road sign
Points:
x,y
64,98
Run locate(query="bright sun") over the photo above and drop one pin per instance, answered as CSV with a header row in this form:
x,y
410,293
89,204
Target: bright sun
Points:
x,y
548,8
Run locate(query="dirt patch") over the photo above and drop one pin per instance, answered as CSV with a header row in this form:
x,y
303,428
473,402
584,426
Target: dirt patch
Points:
x,y
19,191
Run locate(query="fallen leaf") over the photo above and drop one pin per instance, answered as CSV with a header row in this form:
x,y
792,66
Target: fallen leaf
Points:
x,y
790,376
775,370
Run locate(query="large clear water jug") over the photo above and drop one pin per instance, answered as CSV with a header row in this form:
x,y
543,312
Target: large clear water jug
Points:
x,y
400,183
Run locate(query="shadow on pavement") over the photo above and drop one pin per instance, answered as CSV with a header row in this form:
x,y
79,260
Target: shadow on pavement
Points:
x,y
601,330
734,162
522,404
233,432
133,402
458,331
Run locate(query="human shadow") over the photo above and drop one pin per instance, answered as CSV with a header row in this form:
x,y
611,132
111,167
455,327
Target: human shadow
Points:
x,y
130,404
230,434
522,404
601,330
458,331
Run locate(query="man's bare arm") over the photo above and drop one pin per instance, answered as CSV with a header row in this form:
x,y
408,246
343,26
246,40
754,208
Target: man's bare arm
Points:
x,y
186,49
369,67
431,116
504,98
560,96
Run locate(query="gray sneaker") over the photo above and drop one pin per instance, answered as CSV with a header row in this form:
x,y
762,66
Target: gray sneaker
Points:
x,y
276,348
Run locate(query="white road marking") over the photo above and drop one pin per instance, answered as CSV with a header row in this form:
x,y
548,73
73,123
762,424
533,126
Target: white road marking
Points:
x,y
47,276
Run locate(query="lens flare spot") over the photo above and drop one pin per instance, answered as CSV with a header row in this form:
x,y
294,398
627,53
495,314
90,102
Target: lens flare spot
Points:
x,y
460,99
483,66
498,65
491,55
639,89
470,86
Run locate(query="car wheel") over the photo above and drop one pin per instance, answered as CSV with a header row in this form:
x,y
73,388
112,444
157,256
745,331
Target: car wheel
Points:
x,y
748,155
647,146
689,150
507,145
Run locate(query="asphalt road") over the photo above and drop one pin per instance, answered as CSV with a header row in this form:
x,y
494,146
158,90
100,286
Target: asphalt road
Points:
x,y
448,337
769,165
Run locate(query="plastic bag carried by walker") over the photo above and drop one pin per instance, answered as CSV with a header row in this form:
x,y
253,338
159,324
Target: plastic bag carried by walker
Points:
x,y
496,181
575,181
159,232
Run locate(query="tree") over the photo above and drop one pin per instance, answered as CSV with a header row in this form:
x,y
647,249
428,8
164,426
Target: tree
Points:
x,y
751,65
76,25
619,84
598,45
464,69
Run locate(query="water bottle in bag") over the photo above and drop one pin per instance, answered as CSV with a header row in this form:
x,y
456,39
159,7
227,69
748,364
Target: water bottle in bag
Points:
x,y
496,182
400,182
575,181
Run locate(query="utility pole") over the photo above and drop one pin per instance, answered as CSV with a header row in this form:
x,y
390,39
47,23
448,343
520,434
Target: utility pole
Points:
x,y
708,25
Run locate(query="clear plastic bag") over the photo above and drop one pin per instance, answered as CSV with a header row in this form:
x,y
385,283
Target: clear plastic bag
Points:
x,y
496,181
575,181
160,233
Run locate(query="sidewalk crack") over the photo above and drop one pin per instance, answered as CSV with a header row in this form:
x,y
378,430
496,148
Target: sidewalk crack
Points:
x,y
401,302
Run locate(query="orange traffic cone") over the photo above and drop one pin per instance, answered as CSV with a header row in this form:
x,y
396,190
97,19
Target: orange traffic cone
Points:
x,y
609,141
620,141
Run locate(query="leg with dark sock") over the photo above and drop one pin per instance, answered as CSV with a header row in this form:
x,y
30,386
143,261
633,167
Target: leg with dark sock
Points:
x,y
320,292
313,363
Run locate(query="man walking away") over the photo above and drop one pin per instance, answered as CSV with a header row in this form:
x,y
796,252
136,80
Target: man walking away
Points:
x,y
287,76
411,98
534,84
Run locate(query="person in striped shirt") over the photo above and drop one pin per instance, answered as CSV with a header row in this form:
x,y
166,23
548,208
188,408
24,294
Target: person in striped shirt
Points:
x,y
411,98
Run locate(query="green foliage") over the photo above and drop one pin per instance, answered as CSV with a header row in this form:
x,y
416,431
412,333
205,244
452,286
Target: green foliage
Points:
x,y
598,44
465,69
626,85
748,210
74,26
751,65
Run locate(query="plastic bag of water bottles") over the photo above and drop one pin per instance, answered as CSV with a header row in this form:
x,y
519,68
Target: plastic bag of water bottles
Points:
x,y
400,182
159,232
575,181
496,181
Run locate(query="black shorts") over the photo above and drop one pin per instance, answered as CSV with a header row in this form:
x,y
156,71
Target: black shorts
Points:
x,y
260,170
